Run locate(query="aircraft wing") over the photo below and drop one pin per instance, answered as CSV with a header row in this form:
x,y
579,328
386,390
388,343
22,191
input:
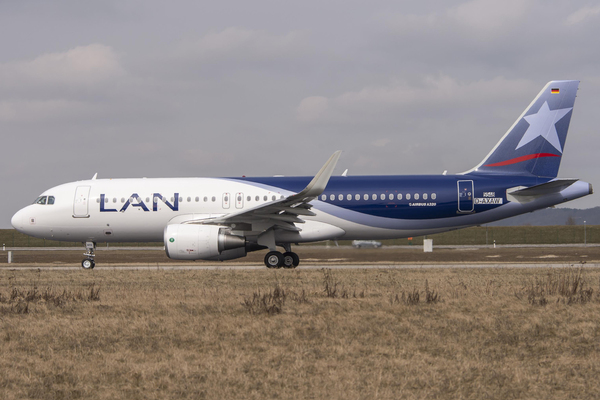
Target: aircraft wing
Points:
x,y
282,213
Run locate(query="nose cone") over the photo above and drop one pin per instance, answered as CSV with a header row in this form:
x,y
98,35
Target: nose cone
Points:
x,y
18,220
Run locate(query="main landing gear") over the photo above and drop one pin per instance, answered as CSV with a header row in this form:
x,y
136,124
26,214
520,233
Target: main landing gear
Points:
x,y
275,259
89,263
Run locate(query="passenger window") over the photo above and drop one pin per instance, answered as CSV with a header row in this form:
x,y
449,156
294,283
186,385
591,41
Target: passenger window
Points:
x,y
340,197
349,197
416,196
226,198
407,196
249,198
147,199
214,199
424,196
366,197
180,198
433,196
399,196
106,200
123,199
205,199
374,197
391,196
357,196
189,199
332,197
114,199
323,197
197,199
273,197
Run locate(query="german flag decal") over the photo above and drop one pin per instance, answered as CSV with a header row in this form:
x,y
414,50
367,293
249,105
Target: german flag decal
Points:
x,y
555,90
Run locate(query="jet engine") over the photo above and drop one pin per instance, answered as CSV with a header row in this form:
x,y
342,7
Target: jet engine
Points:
x,y
202,242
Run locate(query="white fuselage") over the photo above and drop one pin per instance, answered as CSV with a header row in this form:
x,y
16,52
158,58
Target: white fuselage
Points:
x,y
138,210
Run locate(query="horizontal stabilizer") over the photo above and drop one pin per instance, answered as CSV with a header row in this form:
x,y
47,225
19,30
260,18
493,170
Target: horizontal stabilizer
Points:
x,y
554,186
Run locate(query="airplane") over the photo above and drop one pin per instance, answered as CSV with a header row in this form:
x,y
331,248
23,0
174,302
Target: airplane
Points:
x,y
225,218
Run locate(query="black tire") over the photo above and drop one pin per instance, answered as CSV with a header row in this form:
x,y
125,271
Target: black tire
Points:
x,y
274,259
290,259
88,263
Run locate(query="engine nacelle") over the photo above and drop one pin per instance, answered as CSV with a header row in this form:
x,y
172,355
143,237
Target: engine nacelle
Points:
x,y
202,242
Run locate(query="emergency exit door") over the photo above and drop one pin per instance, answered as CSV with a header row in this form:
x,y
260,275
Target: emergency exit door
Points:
x,y
226,200
465,196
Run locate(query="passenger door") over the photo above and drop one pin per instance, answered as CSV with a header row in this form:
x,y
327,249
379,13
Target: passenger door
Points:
x,y
81,202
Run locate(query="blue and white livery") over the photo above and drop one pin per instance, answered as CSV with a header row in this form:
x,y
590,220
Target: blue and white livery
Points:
x,y
224,218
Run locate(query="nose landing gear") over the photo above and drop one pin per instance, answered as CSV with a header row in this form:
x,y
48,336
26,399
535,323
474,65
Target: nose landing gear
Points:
x,y
89,263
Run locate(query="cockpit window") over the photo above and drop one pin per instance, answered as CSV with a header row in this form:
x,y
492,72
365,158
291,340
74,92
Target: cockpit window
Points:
x,y
44,200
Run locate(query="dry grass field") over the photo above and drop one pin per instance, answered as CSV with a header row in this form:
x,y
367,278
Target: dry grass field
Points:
x,y
345,334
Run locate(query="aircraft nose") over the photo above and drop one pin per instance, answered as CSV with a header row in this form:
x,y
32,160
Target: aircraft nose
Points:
x,y
17,220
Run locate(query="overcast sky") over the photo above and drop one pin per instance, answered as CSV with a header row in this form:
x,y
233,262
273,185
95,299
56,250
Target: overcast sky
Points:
x,y
134,88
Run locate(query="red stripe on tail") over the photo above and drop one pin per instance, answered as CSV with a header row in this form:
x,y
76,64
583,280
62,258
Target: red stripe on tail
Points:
x,y
521,159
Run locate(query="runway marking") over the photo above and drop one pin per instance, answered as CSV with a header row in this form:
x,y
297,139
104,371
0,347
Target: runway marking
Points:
x,y
216,267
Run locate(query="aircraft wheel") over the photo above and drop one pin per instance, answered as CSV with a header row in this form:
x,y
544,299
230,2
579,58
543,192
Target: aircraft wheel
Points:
x,y
88,263
290,260
274,259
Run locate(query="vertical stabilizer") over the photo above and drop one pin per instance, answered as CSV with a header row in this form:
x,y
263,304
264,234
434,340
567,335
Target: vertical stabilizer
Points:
x,y
534,144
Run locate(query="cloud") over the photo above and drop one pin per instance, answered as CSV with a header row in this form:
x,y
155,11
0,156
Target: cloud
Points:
x,y
82,66
478,20
582,14
241,43
402,98
83,84
43,110
312,108
382,142
489,17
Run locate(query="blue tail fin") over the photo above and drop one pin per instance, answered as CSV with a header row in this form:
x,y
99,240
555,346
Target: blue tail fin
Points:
x,y
534,145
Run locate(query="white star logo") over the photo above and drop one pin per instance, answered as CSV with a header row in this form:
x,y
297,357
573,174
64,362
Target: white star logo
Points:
x,y
543,124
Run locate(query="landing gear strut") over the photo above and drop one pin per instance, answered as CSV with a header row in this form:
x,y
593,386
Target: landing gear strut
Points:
x,y
89,263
